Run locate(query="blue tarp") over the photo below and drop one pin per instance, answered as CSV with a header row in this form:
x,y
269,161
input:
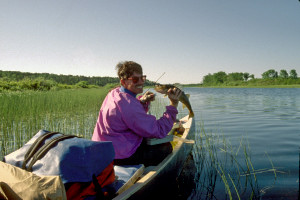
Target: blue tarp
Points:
x,y
74,160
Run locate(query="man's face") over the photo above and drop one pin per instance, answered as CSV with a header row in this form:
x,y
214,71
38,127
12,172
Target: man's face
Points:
x,y
135,83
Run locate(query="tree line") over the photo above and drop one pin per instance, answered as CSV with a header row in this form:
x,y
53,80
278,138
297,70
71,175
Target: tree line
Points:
x,y
62,79
282,74
269,77
15,80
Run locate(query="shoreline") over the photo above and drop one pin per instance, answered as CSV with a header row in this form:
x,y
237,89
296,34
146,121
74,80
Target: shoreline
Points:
x,y
248,86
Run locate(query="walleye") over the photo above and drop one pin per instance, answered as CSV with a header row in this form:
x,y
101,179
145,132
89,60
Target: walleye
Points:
x,y
184,98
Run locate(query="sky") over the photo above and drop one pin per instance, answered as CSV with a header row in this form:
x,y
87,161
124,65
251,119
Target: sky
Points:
x,y
185,39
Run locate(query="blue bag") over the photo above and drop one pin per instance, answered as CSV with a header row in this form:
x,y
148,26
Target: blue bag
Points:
x,y
73,159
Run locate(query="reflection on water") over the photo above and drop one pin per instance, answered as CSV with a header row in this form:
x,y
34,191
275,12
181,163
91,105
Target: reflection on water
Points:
x,y
269,119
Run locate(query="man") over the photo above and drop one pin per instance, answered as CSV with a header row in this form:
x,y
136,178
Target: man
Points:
x,y
123,119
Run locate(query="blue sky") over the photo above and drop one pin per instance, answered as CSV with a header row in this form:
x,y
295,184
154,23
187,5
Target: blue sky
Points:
x,y
186,39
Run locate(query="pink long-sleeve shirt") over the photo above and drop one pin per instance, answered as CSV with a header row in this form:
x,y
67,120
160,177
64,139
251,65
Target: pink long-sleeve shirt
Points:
x,y
124,121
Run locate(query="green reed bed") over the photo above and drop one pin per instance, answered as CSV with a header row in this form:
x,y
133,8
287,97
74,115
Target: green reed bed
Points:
x,y
225,171
23,114
157,107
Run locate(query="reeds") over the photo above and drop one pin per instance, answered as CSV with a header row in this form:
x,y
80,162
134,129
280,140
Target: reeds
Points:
x,y
225,171
23,114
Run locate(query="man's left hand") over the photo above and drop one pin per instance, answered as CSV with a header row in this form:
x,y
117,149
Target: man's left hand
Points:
x,y
147,97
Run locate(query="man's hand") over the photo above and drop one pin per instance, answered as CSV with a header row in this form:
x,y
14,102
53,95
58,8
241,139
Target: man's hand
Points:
x,y
174,95
147,97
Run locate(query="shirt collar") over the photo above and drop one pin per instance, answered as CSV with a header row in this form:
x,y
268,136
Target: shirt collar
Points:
x,y
122,89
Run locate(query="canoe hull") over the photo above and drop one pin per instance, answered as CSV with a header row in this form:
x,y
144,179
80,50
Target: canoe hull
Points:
x,y
162,179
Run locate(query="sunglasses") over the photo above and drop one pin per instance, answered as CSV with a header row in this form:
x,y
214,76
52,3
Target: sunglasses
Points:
x,y
136,79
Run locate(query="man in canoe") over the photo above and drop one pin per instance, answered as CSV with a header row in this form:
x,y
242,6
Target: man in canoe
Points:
x,y
123,119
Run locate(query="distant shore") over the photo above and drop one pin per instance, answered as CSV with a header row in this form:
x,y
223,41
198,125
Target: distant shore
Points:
x,y
242,86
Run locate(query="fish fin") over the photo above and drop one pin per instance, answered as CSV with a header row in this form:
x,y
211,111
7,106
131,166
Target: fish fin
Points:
x,y
187,95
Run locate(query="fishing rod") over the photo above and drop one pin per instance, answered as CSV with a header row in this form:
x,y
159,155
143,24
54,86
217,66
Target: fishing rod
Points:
x,y
155,82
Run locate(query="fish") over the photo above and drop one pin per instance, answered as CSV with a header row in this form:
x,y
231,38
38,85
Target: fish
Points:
x,y
184,98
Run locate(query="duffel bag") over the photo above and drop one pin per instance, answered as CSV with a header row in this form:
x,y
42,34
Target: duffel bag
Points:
x,y
73,159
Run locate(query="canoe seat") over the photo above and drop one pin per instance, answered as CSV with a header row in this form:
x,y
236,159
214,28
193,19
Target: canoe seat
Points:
x,y
126,176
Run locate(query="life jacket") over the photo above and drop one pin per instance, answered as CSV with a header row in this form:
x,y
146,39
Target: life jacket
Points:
x,y
100,187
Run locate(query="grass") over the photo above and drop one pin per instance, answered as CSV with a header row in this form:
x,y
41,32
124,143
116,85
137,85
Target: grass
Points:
x,y
23,114
224,171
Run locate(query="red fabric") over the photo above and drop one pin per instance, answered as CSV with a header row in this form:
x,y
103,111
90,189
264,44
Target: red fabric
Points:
x,y
78,191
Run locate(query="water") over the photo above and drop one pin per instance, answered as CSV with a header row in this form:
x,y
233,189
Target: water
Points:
x,y
268,119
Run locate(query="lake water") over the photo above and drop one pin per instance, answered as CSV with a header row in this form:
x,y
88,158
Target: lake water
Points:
x,y
269,120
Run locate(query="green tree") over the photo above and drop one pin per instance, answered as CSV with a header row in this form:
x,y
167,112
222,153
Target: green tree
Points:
x,y
220,77
270,74
82,84
283,74
215,79
293,74
246,76
236,76
208,79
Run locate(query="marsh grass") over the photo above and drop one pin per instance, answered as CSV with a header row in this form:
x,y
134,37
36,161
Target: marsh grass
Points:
x,y
23,114
223,167
158,106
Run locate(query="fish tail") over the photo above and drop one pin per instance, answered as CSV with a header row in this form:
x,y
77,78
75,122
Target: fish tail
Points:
x,y
191,114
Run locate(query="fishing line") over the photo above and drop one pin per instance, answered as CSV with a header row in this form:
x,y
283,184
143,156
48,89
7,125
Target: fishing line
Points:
x,y
154,82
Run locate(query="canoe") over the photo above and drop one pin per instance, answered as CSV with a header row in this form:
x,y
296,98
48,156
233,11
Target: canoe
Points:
x,y
161,179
